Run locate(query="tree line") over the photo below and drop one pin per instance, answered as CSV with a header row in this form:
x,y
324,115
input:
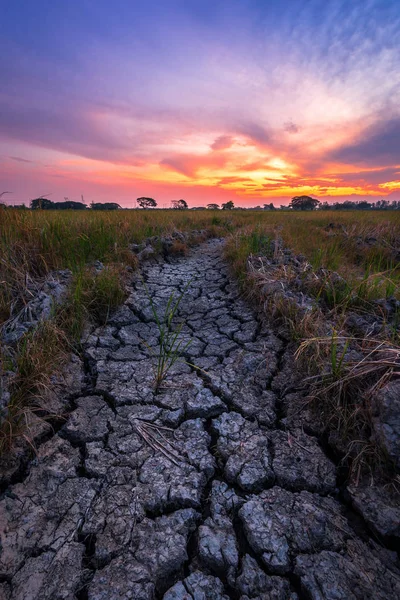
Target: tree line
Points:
x,y
144,202
46,204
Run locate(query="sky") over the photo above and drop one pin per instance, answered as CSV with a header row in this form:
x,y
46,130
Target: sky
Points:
x,y
254,101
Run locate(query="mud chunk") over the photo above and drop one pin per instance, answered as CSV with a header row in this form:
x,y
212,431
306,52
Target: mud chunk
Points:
x,y
100,462
112,520
190,346
170,484
253,403
280,524
356,574
50,576
244,450
227,325
128,382
386,407
44,512
204,404
224,502
192,441
247,332
124,578
253,582
89,422
126,353
218,548
299,463
104,337
197,586
380,507
217,544
156,553
123,316
160,545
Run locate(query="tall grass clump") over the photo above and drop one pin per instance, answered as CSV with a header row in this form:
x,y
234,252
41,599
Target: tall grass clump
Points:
x,y
350,371
38,355
43,351
92,297
241,245
171,345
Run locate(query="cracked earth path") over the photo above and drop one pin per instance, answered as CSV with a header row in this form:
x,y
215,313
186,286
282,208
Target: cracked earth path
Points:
x,y
206,490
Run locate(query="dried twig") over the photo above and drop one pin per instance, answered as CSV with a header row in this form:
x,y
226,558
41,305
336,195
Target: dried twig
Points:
x,y
152,435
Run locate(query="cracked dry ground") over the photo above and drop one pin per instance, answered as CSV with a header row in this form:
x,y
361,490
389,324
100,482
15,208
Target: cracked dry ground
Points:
x,y
236,501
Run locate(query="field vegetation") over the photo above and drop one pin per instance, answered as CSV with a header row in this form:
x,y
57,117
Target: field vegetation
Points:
x,y
351,259
332,287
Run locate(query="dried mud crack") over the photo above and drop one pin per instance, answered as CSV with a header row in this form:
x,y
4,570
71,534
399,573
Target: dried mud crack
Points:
x,y
204,490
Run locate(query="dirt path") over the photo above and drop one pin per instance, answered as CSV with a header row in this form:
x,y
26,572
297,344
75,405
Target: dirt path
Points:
x,y
235,502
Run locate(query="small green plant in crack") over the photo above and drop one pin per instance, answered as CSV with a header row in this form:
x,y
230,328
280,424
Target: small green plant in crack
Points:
x,y
338,355
171,345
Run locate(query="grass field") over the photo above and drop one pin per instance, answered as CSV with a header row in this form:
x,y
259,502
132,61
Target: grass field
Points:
x,y
363,247
356,244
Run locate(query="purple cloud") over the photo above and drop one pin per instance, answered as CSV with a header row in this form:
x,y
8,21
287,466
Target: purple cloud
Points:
x,y
377,146
291,127
257,133
19,159
222,142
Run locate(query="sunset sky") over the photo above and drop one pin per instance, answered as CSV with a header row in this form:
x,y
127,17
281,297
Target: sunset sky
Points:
x,y
253,101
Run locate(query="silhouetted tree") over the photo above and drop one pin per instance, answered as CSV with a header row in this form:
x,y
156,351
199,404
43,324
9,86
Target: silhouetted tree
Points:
x,y
104,206
69,205
46,204
179,204
41,202
269,206
228,205
303,203
364,205
213,206
361,205
146,202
